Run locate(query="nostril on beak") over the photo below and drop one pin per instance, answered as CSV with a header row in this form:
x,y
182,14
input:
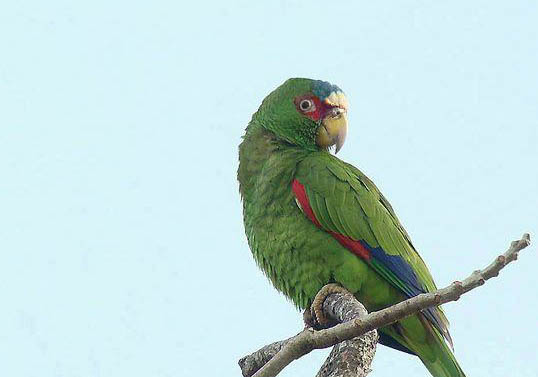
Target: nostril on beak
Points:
x,y
337,111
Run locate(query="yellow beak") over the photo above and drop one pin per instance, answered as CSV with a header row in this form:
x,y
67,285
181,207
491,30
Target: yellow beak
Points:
x,y
333,129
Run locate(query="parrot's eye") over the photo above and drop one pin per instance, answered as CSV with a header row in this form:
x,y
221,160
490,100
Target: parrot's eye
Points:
x,y
307,105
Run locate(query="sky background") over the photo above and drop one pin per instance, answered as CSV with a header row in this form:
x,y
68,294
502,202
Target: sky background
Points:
x,y
122,250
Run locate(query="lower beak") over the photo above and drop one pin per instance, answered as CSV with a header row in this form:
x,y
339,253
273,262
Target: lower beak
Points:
x,y
333,129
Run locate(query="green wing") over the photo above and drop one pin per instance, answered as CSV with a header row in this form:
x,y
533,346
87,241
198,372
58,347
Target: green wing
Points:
x,y
345,203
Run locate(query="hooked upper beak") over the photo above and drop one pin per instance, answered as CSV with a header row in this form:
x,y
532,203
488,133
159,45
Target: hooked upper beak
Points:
x,y
333,129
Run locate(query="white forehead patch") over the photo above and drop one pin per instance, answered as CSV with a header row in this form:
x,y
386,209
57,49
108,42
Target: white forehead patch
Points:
x,y
337,99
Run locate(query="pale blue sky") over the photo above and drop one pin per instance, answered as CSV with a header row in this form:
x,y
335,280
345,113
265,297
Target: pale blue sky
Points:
x,y
121,238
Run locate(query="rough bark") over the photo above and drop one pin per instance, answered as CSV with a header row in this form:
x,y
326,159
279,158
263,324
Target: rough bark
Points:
x,y
349,358
308,339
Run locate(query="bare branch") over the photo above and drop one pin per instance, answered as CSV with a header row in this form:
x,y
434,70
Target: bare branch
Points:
x,y
308,340
354,354
250,364
352,357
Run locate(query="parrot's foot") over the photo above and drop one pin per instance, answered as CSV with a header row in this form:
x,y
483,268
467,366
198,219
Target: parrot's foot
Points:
x,y
316,317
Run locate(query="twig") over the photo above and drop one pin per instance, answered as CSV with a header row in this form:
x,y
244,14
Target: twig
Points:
x,y
308,340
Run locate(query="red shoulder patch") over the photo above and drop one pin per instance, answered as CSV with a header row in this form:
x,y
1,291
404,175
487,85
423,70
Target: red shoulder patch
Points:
x,y
300,194
356,247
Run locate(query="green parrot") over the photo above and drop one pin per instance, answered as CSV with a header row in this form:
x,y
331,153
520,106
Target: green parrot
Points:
x,y
312,219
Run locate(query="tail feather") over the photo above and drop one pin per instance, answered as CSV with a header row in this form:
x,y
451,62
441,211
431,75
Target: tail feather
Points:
x,y
444,363
428,344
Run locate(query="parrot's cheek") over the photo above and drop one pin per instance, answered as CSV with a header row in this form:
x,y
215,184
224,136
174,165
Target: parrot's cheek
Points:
x,y
332,131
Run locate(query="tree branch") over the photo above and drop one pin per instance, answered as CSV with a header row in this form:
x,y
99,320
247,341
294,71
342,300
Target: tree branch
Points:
x,y
351,355
308,339
250,364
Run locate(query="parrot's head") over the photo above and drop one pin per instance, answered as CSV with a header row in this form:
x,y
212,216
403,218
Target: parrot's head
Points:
x,y
308,113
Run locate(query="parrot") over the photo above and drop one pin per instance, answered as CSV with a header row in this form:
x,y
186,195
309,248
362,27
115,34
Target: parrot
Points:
x,y
312,219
